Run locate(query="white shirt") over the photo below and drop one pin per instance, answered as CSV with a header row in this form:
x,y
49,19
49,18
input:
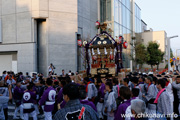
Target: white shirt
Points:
x,y
11,81
50,69
150,73
170,91
3,76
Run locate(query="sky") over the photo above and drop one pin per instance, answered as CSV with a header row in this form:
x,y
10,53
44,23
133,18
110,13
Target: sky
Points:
x,y
162,15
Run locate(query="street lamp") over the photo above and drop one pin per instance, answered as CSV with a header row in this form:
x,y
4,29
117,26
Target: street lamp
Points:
x,y
168,43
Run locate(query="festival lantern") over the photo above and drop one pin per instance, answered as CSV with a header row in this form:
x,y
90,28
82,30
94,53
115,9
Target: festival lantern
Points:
x,y
97,24
79,43
120,39
125,44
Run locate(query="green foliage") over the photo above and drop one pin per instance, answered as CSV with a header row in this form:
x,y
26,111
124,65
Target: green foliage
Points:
x,y
155,55
166,67
141,54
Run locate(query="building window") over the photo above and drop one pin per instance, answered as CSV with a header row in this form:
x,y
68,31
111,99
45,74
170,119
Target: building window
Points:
x,y
108,17
105,10
116,10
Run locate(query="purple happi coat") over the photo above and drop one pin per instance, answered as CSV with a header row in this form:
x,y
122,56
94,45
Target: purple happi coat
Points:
x,y
101,90
48,99
60,96
18,94
121,110
29,97
87,102
63,103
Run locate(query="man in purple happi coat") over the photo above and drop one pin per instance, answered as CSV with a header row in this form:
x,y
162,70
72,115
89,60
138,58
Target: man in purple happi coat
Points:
x,y
29,99
37,97
60,94
48,99
101,94
125,94
101,89
87,102
18,94
84,99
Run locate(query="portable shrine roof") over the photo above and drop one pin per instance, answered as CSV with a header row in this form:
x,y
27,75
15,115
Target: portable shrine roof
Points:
x,y
102,40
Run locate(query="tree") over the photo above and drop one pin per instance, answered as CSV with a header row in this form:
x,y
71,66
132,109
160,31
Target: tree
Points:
x,y
141,54
161,57
155,55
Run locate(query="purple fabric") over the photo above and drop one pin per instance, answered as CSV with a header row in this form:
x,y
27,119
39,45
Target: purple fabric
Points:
x,y
31,100
133,98
60,96
121,110
101,90
34,89
21,77
141,83
18,94
45,98
63,104
86,102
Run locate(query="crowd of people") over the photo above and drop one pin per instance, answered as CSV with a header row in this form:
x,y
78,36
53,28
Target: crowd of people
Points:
x,y
69,96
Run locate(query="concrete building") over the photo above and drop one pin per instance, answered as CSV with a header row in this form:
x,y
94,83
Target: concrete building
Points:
x,y
35,33
159,37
